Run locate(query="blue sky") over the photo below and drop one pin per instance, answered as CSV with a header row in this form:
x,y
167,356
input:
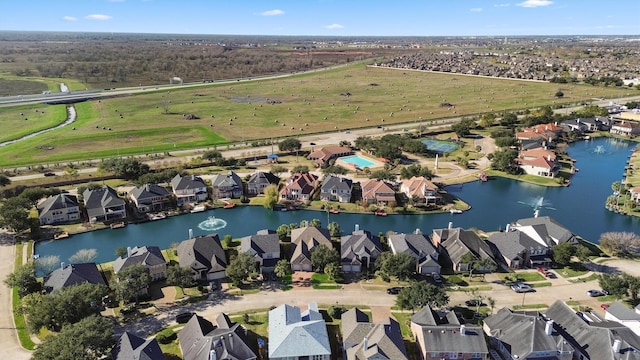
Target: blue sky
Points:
x,y
327,17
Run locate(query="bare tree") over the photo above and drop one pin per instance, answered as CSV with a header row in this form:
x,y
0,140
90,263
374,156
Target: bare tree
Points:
x,y
83,256
47,264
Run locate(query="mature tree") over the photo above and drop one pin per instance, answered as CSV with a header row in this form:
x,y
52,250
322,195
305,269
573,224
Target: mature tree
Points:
x,y
400,265
559,94
463,127
322,256
415,170
34,194
619,243
562,253
477,297
278,169
128,169
504,160
300,169
284,232
213,156
633,286
270,197
508,119
334,170
14,214
24,277
420,294
283,267
614,284
315,222
483,265
333,271
382,175
240,267
334,229
487,120
40,311
582,252
180,276
83,256
415,146
121,251
131,281
4,180
289,144
506,141
46,264
89,339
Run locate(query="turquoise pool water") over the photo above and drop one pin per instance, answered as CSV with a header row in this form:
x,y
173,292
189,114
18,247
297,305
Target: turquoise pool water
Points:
x,y
358,161
440,146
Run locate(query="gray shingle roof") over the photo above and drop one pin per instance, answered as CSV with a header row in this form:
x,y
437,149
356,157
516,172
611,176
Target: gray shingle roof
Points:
x,y
200,337
432,317
145,255
56,202
130,346
622,312
187,182
264,241
202,252
262,177
305,239
417,245
292,333
336,182
73,274
360,337
358,245
149,191
551,227
458,242
95,201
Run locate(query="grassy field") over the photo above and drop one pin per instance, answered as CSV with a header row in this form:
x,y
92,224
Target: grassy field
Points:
x,y
346,98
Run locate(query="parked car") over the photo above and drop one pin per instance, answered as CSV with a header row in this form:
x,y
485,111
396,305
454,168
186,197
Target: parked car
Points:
x,y
596,293
394,290
184,317
436,278
544,271
49,173
474,303
604,306
521,288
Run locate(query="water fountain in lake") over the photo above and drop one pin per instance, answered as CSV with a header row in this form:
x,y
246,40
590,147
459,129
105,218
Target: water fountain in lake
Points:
x,y
599,149
537,203
212,224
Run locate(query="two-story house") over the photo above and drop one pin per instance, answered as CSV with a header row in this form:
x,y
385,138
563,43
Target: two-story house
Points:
x,y
103,204
59,209
258,181
335,188
150,197
421,189
189,189
205,257
264,247
226,186
149,256
298,335
299,187
379,193
359,250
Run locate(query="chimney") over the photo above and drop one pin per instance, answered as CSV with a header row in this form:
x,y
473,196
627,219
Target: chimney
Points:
x,y
357,228
463,330
417,232
128,251
536,213
212,355
548,328
231,340
506,229
193,177
617,346
548,157
450,225
190,234
62,265
365,343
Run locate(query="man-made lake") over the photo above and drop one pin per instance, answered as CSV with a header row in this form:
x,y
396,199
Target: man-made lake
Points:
x,y
495,203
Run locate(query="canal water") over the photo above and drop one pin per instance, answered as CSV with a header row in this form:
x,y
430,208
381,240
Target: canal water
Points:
x,y
579,207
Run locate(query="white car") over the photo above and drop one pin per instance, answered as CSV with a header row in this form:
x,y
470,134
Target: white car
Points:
x,y
521,288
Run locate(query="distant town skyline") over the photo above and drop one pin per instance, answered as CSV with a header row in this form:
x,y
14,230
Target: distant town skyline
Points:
x,y
327,17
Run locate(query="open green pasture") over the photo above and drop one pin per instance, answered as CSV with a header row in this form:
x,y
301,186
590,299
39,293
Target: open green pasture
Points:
x,y
338,99
23,120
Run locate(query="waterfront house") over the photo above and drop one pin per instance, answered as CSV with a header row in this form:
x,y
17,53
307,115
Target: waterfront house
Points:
x,y
149,256
130,346
304,241
418,246
59,209
626,128
189,189
264,247
298,335
299,187
539,162
227,185
440,335
201,339
455,243
362,339
204,256
525,335
379,193
150,197
577,126
73,274
359,251
258,181
592,337
421,189
624,315
635,194
336,188
323,155
545,230
103,204
516,250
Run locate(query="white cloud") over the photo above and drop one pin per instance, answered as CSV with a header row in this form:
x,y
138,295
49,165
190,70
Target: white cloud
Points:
x,y
69,18
475,9
502,5
334,26
97,17
535,3
273,12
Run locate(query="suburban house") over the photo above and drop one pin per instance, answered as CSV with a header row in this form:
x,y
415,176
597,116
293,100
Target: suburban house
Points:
x,y
149,256
528,335
73,274
455,243
299,187
421,189
517,250
440,335
297,335
59,209
103,204
226,186
202,340
577,126
130,346
264,247
323,155
539,162
621,313
335,188
635,194
204,256
189,189
150,197
260,180
626,128
545,230
359,250
362,339
303,241
379,193
418,246
592,337
546,132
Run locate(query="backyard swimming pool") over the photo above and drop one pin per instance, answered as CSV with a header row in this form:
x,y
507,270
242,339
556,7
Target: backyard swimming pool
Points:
x,y
440,146
359,161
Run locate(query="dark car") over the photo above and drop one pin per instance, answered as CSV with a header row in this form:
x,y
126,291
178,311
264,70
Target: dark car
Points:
x,y
394,290
184,317
49,173
596,293
436,278
473,303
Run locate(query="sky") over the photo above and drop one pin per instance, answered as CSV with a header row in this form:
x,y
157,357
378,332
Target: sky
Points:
x,y
327,17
